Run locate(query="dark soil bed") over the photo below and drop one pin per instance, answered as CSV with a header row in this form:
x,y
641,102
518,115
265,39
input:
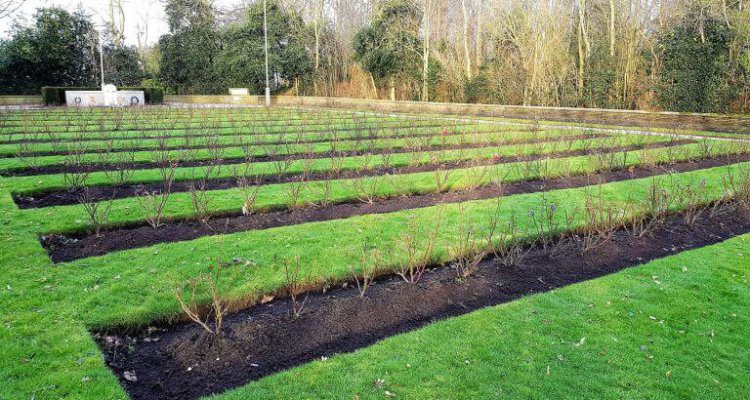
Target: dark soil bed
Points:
x,y
64,248
68,197
183,362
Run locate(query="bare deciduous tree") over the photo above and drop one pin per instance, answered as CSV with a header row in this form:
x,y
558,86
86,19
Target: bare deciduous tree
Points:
x,y
8,7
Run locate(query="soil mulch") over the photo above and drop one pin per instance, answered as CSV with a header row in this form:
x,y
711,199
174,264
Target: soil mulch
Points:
x,y
64,248
101,193
183,362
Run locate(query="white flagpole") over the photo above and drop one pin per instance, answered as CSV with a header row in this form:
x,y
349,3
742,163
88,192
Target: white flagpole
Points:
x,y
265,34
101,56
102,13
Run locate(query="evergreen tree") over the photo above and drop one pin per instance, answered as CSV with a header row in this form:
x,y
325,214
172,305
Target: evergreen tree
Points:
x,y
696,66
59,49
241,61
389,47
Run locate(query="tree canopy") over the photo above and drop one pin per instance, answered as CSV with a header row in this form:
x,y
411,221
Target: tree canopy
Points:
x,y
59,49
666,55
241,61
62,49
696,67
187,59
389,46
199,57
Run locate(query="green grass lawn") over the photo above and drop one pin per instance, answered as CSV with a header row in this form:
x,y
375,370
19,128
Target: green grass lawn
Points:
x,y
696,347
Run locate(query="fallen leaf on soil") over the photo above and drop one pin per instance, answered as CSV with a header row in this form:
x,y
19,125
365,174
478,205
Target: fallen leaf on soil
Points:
x,y
130,376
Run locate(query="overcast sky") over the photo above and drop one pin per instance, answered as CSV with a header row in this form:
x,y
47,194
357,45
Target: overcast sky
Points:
x,y
136,11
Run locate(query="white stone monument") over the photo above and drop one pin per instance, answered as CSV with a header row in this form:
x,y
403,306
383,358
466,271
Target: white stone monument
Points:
x,y
239,91
109,96
89,98
239,94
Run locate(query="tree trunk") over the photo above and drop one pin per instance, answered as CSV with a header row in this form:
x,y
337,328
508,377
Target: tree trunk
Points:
x,y
316,29
612,28
426,51
318,17
117,22
724,12
374,87
583,48
467,56
478,39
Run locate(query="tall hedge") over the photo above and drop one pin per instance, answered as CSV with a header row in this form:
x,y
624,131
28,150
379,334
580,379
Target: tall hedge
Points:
x,y
55,96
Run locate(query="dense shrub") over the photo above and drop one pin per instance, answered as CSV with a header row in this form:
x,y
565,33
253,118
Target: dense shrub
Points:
x,y
695,70
54,50
151,95
53,96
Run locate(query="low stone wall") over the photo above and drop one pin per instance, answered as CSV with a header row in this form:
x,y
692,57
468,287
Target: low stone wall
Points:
x,y
632,118
667,120
205,100
21,100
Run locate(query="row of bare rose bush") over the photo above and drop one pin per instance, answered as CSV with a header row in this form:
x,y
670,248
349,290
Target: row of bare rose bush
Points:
x,y
120,119
366,184
193,131
506,238
121,163
283,154
365,139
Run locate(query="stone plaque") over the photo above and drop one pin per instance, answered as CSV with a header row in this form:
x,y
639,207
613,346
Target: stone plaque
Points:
x,y
124,98
84,99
